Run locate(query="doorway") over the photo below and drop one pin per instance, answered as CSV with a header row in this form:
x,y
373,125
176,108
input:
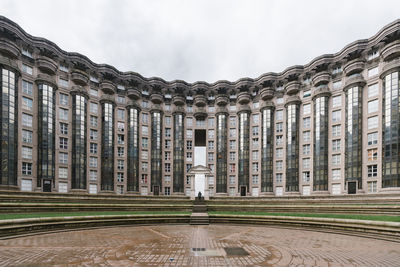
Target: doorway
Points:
x,y
156,190
242,191
351,187
46,185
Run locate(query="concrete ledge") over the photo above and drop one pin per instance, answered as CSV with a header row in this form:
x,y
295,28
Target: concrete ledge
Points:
x,y
365,228
17,227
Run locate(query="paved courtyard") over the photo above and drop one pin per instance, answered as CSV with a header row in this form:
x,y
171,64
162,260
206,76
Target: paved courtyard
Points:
x,y
185,245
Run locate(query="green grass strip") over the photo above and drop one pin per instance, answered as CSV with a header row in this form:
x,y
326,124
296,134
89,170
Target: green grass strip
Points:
x,y
9,216
385,218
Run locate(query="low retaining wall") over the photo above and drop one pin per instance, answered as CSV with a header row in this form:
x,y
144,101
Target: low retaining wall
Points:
x,y
375,229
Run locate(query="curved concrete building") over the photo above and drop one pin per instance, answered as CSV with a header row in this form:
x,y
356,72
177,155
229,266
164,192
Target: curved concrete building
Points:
x,y
330,127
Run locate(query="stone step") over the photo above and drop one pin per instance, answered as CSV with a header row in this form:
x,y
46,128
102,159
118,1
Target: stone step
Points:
x,y
199,218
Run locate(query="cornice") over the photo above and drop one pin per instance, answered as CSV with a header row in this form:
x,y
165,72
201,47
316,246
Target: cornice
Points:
x,y
22,38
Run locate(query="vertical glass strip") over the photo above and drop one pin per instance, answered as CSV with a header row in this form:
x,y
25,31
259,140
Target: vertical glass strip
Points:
x,y
156,150
267,150
221,178
79,135
107,147
292,148
320,173
178,152
244,149
133,149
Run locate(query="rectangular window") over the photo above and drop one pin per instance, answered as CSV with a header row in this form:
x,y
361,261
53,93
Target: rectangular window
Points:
x,y
63,99
372,122
336,116
144,166
93,134
337,85
279,165
63,83
27,69
279,100
336,130
121,114
210,144
279,140
255,179
63,158
63,128
120,179
255,166
27,53
93,175
211,122
372,55
279,115
306,163
167,132
93,107
337,101
373,106
63,114
145,142
232,121
232,144
336,159
231,179
256,105
279,177
232,133
63,68
211,109
26,168
307,93
336,145
256,118
372,72
255,130
121,151
27,136
306,149
255,155
372,154
232,107
62,172
145,104
93,162
120,164
373,138
232,167
27,103
210,134
210,156
372,171
145,118
372,187
279,127
93,148
121,99
27,120
94,92
167,120
306,176
306,109
188,167
145,130
373,90
307,122
63,143
189,122
93,121
306,136
167,155
255,143
145,155
232,156
120,139
27,87
26,152
200,122
336,174
167,191
144,180
189,133
167,144
279,152
121,126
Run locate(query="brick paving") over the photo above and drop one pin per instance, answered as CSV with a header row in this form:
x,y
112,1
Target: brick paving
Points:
x,y
172,245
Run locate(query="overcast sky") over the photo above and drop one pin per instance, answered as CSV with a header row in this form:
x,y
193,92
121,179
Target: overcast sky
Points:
x,y
201,40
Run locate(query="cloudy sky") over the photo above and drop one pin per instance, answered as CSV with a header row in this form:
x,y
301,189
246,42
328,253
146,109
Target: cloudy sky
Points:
x,y
205,40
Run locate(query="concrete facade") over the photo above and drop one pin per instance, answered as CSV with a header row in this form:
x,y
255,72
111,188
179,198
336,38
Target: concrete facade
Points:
x,y
351,83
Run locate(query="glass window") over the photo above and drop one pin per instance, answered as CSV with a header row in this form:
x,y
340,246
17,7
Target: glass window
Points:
x,y
306,149
372,187
27,136
372,170
63,68
255,130
145,130
232,179
232,156
189,145
337,85
279,152
121,151
145,104
232,121
26,152
120,99
121,114
63,128
26,168
27,69
307,93
279,140
145,155
189,109
189,122
255,179
256,118
307,122
120,164
63,158
27,120
232,144
93,121
121,126
232,167
211,109
211,122
336,116
93,107
306,163
373,138
336,145
145,118
26,52
168,120
279,115
167,155
93,162
27,103
336,159
372,122
336,130
306,176
27,87
210,144
279,127
336,174
63,172
94,92
372,55
279,177
120,139
373,90
63,82
189,133
232,107
372,154
306,109
63,143
93,134
279,100
120,179
255,143
373,106
232,133
255,155
63,99
145,142
93,175
210,156
210,133
279,165
63,114
93,148
306,136
167,144
255,166
145,166
373,72
337,101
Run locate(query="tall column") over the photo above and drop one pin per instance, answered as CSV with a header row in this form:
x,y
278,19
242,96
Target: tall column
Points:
x,y
267,148
391,132
107,146
353,136
133,148
244,149
321,123
222,148
179,143
46,133
79,144
292,146
156,149
8,127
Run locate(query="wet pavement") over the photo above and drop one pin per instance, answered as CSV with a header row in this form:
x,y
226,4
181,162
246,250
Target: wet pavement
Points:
x,y
185,245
